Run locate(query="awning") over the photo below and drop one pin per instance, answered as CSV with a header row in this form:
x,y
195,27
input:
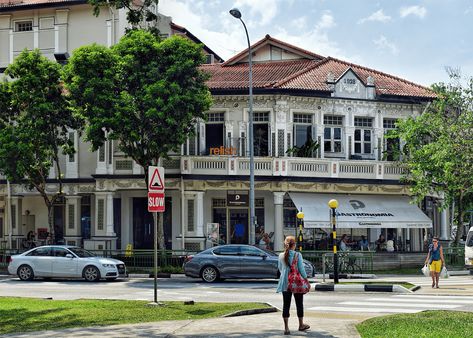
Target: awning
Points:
x,y
360,211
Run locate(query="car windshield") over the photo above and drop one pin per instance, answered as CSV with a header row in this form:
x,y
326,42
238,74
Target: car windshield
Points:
x,y
81,252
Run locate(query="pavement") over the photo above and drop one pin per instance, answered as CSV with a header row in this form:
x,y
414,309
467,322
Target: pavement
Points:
x,y
258,325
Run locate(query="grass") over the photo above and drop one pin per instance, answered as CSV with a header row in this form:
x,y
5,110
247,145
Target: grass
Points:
x,y
31,314
405,284
432,324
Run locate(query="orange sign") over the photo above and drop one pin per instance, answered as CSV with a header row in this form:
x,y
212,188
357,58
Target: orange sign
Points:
x,y
223,151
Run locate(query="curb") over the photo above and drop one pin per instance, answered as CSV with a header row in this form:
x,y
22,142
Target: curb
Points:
x,y
360,288
252,311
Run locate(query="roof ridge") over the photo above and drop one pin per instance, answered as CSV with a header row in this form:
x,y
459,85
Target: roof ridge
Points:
x,y
379,72
302,71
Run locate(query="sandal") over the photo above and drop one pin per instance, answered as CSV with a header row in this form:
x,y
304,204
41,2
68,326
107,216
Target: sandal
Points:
x,y
287,332
304,327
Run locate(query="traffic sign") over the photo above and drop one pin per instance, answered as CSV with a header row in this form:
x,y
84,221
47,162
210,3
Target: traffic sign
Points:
x,y
156,179
156,201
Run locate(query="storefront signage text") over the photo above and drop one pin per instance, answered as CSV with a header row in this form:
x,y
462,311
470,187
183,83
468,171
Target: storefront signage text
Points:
x,y
223,151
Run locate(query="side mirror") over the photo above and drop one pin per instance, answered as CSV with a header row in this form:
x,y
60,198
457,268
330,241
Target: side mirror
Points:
x,y
69,256
264,256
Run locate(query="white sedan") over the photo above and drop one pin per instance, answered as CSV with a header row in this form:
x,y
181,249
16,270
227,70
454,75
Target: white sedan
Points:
x,y
62,261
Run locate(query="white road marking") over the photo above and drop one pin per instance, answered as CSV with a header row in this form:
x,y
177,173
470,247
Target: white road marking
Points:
x,y
425,300
429,296
361,309
427,306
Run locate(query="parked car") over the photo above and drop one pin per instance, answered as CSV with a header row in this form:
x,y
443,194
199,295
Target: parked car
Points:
x,y
235,261
62,261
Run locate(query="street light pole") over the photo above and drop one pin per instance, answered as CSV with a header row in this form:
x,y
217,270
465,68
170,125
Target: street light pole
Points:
x,y
237,14
333,205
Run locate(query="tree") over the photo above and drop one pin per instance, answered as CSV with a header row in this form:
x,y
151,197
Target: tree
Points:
x,y
145,93
438,149
138,12
34,125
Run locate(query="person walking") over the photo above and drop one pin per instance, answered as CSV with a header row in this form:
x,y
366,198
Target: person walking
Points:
x,y
436,261
284,264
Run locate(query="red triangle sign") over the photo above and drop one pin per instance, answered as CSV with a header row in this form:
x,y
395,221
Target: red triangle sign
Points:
x,y
156,183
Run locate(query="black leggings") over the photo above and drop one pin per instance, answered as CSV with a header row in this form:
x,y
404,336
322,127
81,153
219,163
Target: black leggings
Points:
x,y
286,303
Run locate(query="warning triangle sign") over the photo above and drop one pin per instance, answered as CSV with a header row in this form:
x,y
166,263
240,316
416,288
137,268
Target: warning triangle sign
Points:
x,y
156,182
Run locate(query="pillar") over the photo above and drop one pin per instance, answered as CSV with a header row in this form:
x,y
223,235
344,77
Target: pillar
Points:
x,y
110,231
199,213
278,221
444,225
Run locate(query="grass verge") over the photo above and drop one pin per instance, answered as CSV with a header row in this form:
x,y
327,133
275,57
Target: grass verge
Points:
x,y
31,314
405,284
430,324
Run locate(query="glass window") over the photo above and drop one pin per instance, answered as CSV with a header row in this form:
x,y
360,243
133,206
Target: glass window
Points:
x,y
251,251
41,252
363,135
333,133
303,118
60,252
81,252
231,250
289,213
24,26
261,139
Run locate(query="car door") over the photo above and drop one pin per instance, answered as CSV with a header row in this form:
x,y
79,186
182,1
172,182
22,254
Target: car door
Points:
x,y
227,260
63,266
40,260
255,263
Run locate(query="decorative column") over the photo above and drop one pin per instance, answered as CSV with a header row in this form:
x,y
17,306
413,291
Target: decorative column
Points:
x,y
73,225
199,213
278,221
110,232
444,225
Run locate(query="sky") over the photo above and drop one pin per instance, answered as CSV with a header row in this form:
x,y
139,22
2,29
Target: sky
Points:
x,y
415,40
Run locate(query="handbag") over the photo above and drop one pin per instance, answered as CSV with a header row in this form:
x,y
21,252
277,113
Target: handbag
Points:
x,y
426,271
296,284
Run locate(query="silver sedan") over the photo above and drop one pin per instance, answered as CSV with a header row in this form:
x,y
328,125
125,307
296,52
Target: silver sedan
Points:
x,y
62,261
236,261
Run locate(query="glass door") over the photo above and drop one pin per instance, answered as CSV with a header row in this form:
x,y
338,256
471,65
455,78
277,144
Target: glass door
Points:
x,y
238,226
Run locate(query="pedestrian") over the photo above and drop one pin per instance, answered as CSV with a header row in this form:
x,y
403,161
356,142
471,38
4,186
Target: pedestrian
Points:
x,y
344,243
363,244
284,265
265,242
436,261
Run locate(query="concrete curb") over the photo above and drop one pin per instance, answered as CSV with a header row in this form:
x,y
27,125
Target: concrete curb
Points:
x,y
252,311
360,288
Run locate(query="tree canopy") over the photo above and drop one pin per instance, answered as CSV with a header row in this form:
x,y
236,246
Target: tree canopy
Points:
x,y
438,150
145,93
34,124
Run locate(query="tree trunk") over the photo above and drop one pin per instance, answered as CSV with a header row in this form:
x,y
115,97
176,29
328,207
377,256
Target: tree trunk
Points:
x,y
51,223
161,244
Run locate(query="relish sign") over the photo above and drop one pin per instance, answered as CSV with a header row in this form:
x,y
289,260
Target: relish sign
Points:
x,y
156,189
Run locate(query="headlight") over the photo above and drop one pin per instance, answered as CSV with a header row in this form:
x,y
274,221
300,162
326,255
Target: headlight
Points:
x,y
108,265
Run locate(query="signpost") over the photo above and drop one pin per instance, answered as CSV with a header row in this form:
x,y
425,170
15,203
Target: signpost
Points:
x,y
155,204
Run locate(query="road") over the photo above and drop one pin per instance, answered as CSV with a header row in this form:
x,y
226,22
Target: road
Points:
x,y
455,293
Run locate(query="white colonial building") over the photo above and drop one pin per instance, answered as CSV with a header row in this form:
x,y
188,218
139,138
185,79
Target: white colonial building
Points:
x,y
301,100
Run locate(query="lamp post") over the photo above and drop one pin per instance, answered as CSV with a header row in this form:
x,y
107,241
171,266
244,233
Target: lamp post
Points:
x,y
333,204
235,12
300,219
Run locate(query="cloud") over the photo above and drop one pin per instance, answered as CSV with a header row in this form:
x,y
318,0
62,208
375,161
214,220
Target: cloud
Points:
x,y
384,44
266,10
299,23
376,16
413,10
326,21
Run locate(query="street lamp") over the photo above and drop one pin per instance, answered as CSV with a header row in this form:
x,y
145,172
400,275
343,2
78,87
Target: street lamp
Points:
x,y
333,204
235,12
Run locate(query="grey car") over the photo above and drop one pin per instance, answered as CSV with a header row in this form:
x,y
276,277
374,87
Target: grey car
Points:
x,y
236,261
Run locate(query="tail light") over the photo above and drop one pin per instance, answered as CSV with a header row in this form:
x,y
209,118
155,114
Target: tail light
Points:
x,y
9,260
188,258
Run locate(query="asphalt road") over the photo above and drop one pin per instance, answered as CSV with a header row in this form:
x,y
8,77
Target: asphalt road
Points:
x,y
455,293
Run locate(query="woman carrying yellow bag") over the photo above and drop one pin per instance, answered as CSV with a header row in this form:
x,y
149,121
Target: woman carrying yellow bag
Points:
x,y
436,261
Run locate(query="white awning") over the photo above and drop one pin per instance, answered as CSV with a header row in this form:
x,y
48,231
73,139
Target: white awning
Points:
x,y
360,211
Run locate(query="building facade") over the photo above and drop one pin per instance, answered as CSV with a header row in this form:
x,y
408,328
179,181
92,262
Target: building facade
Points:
x,y
319,126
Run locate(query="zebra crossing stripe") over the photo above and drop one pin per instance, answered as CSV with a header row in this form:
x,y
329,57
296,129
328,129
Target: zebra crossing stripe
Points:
x,y
425,300
362,309
425,306
470,298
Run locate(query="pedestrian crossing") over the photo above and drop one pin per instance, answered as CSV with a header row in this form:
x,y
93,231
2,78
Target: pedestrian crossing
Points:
x,y
398,304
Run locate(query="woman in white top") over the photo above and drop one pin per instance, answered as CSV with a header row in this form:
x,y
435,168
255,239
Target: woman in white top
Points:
x,y
284,265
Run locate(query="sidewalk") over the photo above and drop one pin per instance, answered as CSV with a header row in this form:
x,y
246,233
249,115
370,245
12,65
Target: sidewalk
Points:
x,y
261,325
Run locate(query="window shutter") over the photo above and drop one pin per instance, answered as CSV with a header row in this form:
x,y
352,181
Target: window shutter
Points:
x,y
314,139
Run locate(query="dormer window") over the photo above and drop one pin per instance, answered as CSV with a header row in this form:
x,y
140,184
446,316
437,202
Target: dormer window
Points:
x,y
24,26
209,59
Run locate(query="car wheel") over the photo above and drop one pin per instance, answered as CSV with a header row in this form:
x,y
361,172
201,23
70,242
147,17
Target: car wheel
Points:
x,y
209,274
91,274
25,272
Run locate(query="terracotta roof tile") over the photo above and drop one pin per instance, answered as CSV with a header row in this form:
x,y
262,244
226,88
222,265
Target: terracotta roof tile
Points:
x,y
26,3
265,74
